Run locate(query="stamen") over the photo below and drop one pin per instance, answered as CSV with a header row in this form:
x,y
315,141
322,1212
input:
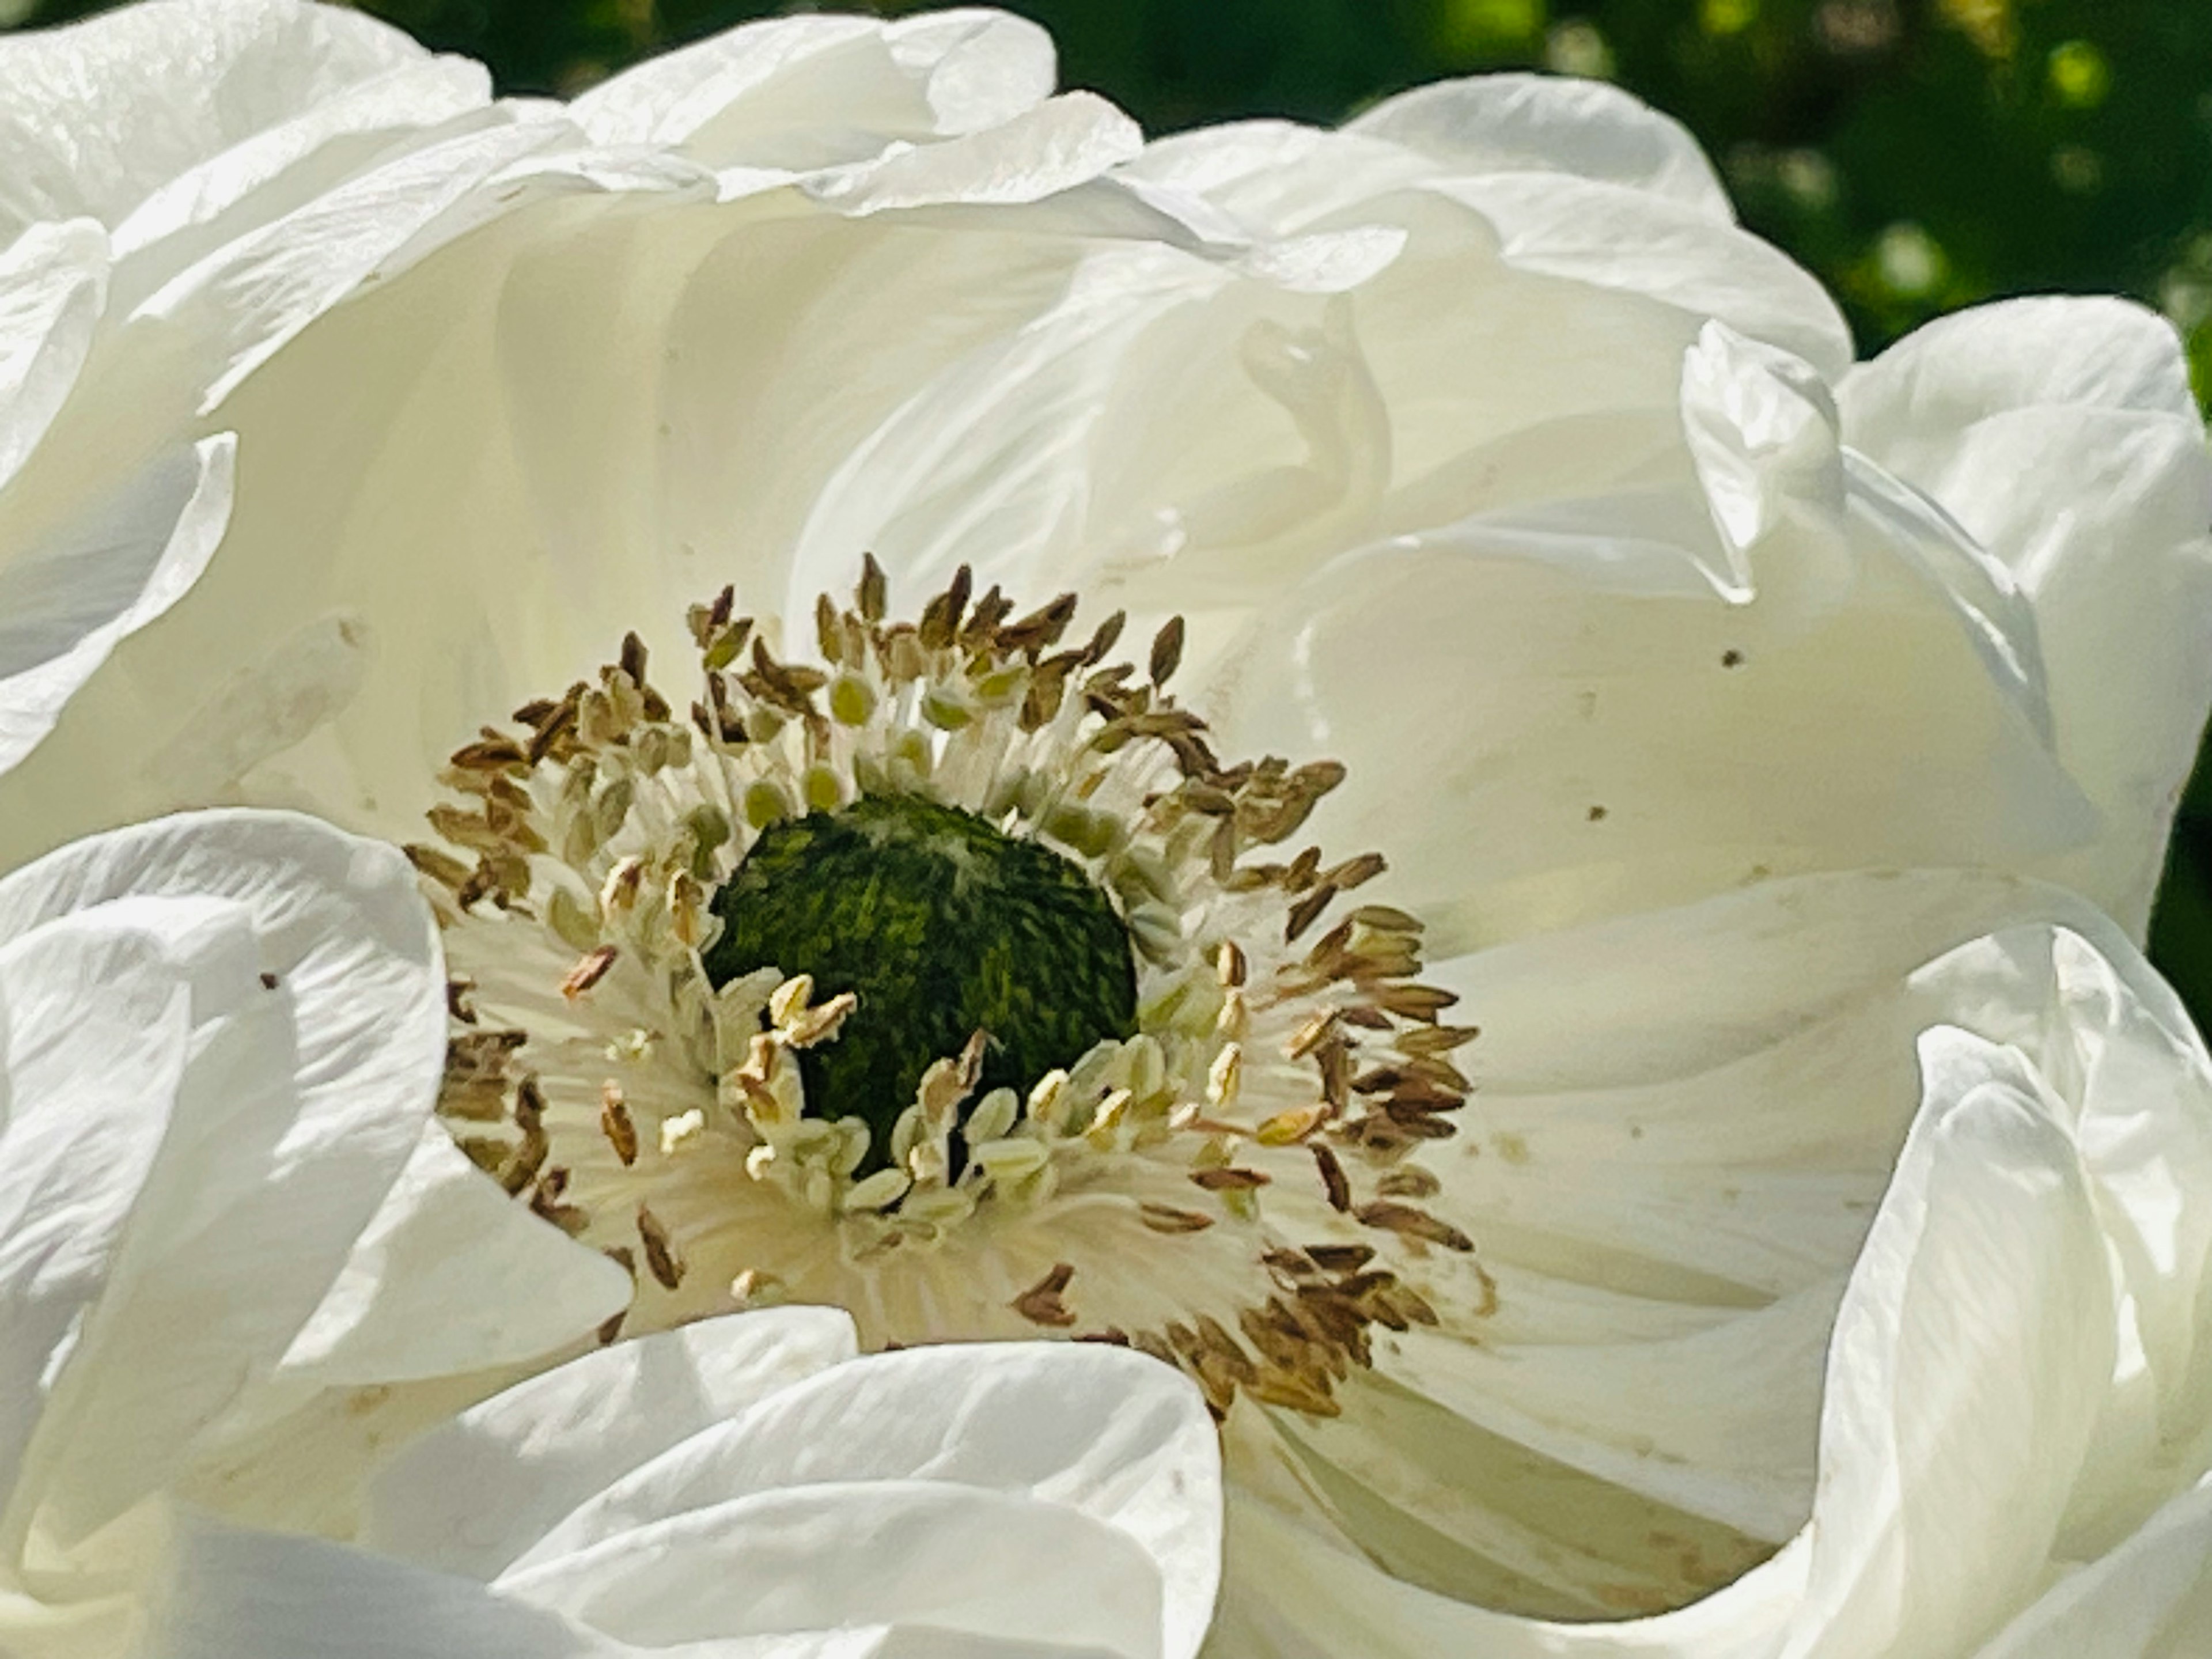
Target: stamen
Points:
x,y
1227,1174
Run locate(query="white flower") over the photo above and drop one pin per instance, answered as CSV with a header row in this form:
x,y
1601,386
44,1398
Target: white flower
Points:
x,y
1482,453
219,1037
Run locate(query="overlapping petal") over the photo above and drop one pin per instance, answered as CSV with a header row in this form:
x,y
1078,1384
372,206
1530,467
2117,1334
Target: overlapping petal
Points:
x,y
220,1043
743,1487
2062,436
2012,1413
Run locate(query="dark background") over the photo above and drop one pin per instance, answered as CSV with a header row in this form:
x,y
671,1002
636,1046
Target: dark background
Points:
x,y
1918,154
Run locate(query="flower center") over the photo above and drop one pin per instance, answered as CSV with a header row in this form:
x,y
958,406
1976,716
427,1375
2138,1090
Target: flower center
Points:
x,y
950,978
940,926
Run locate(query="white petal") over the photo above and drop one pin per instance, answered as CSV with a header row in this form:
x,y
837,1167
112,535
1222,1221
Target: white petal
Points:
x,y
1663,1221
96,1020
1580,724
240,1594
66,605
453,1276
1969,1361
1273,178
53,287
244,300
958,1558
282,167
471,1497
703,91
1615,236
1120,1437
1060,143
97,118
314,1061
2149,1599
1996,359
1537,123
801,93
2061,434
1290,1594
983,66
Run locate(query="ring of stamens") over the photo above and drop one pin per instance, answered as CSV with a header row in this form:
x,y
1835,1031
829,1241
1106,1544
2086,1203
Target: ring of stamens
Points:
x,y
1263,1128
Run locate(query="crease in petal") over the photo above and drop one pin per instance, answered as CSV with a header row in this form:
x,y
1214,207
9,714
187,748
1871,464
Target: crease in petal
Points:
x,y
2062,436
65,605
474,1496
451,1275
1521,123
316,1044
53,292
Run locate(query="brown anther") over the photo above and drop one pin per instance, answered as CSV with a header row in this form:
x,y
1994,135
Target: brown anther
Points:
x,y
1408,1222
457,1006
494,752
1101,641
1341,1258
447,871
1357,873
591,968
1165,1219
480,1057
529,1101
660,1252
1167,651
1041,630
615,1122
1307,911
1418,1002
1041,1303
530,1155
1334,1181
1386,918
1436,1039
940,617
1230,1180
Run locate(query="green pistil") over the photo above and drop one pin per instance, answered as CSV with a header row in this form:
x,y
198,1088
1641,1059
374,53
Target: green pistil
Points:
x,y
941,926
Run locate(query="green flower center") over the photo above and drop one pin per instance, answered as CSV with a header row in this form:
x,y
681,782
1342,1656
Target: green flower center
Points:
x,y
941,926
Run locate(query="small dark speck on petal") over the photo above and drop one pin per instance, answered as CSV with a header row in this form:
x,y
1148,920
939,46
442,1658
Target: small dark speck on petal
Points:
x,y
1597,815
269,982
1731,657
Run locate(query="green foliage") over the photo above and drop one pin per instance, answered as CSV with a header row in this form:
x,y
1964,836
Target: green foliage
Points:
x,y
1917,155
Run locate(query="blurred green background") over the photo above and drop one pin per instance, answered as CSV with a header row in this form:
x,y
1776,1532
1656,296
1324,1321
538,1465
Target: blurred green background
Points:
x,y
1918,154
